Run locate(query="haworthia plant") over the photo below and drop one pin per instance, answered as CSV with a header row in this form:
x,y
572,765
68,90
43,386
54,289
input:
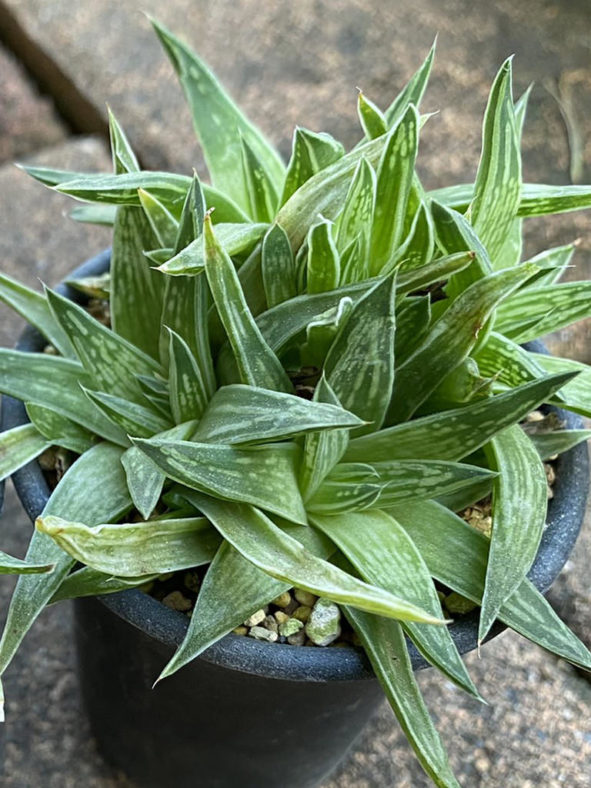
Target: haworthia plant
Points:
x,y
305,373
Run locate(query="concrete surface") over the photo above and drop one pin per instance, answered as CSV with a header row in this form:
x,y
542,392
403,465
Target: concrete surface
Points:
x,y
288,63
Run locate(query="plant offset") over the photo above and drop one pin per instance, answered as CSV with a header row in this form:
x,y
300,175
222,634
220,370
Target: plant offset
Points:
x,y
310,369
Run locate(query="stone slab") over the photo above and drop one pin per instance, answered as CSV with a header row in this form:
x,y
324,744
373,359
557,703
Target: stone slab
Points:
x,y
38,242
27,119
291,63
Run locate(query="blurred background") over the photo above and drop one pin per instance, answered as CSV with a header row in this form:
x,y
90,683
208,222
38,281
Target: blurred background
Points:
x,y
299,62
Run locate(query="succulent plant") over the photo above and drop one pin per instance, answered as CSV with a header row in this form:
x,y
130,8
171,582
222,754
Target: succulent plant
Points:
x,y
309,371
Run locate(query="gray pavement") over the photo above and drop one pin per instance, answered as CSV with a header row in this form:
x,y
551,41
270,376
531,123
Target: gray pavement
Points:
x,y
288,63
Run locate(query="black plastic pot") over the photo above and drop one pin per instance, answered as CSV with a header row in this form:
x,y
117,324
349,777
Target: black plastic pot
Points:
x,y
245,713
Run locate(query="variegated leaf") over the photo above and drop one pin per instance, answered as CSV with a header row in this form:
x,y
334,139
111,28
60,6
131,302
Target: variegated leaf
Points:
x,y
219,124
58,430
450,340
19,446
163,223
132,549
383,554
519,513
244,414
278,267
311,152
257,364
456,555
360,363
78,496
323,270
188,391
372,119
280,555
131,417
394,178
54,383
456,433
413,91
262,476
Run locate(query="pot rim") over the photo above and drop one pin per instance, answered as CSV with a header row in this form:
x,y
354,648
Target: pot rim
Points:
x,y
565,516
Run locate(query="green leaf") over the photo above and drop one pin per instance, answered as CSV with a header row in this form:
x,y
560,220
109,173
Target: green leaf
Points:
x,y
92,286
349,488
243,414
34,308
384,555
456,555
556,261
438,270
19,446
232,590
507,361
322,449
124,159
455,234
497,189
257,364
108,358
58,429
321,333
311,153
263,476
549,444
163,224
413,92
132,549
324,192
117,189
453,434
77,496
535,311
394,178
262,196
132,278
576,394
144,479
384,644
372,119
219,124
15,566
450,340
412,323
188,391
95,214
280,555
360,363
323,259
537,199
417,249
355,220
88,582
234,238
54,383
278,267
519,513
132,418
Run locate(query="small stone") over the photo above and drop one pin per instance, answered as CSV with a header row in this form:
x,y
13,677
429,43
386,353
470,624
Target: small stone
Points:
x,y
302,612
458,604
270,623
260,633
535,415
282,600
281,617
293,605
290,627
305,597
256,618
177,601
550,473
298,639
323,626
240,630
191,581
